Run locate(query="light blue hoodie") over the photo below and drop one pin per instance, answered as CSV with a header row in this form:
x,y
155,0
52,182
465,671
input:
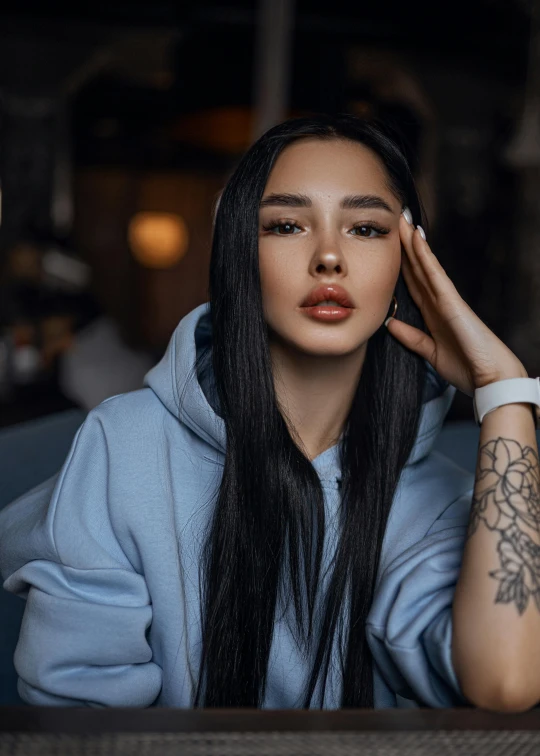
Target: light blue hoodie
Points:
x,y
107,552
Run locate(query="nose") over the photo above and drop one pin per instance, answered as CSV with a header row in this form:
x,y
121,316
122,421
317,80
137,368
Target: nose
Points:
x,y
328,255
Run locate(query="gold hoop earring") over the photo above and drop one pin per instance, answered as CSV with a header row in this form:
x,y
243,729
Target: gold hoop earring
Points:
x,y
395,307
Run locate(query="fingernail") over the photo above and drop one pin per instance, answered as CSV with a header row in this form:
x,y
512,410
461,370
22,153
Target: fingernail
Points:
x,y
422,232
407,215
387,320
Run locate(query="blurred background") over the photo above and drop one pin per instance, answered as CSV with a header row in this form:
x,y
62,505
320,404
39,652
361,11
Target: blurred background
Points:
x,y
121,121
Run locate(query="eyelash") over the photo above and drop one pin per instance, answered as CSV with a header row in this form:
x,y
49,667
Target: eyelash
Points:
x,y
374,226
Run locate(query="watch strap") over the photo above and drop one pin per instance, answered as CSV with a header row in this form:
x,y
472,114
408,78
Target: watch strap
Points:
x,y
508,391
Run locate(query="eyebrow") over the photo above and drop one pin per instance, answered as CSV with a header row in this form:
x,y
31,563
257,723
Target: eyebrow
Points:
x,y
350,202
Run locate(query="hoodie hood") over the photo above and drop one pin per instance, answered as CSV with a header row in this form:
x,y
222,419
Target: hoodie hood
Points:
x,y
192,398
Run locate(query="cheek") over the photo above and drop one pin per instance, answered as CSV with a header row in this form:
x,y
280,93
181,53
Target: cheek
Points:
x,y
376,269
280,280
269,278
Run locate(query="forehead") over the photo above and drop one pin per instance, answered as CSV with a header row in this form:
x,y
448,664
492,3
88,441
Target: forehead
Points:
x,y
329,166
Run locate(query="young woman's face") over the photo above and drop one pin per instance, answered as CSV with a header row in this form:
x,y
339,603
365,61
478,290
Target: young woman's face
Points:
x,y
327,216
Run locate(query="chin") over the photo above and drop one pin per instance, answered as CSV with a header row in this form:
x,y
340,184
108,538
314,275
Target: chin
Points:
x,y
332,350
321,345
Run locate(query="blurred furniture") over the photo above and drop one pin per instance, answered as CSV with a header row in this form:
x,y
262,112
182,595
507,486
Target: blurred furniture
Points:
x,y
33,451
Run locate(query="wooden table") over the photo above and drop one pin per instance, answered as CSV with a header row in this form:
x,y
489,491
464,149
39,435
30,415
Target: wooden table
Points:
x,y
144,732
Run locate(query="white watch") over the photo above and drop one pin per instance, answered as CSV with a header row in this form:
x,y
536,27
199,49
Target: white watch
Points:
x,y
509,391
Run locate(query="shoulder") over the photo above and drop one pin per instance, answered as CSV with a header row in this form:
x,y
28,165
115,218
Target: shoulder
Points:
x,y
137,463
126,443
133,425
130,411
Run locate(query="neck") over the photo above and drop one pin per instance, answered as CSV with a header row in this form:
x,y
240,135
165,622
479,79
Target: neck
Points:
x,y
315,394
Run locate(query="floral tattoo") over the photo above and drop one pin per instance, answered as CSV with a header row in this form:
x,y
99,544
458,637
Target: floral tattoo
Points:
x,y
507,499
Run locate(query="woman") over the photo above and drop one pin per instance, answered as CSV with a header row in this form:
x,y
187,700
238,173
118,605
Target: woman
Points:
x,y
264,524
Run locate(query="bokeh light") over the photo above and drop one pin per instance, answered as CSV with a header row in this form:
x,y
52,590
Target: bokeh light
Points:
x,y
158,240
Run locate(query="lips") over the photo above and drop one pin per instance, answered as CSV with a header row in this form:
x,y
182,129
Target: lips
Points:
x,y
333,292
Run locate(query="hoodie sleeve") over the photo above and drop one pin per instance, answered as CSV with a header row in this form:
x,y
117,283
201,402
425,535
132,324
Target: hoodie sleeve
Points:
x,y
409,628
83,635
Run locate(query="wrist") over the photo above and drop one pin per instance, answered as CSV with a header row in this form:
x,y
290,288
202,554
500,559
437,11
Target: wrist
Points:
x,y
515,371
513,408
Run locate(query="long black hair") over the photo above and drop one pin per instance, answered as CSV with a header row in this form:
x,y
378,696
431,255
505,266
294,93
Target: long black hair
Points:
x,y
264,546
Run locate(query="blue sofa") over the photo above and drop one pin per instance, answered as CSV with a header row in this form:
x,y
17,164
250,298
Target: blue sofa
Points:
x,y
32,452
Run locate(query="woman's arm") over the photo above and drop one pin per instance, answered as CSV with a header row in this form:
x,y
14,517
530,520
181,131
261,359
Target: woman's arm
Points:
x,y
84,636
496,611
496,606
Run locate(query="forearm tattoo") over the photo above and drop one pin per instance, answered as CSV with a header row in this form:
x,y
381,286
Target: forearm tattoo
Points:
x,y
507,499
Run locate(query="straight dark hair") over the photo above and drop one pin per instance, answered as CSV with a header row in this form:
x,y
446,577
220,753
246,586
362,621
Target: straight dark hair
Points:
x,y
264,545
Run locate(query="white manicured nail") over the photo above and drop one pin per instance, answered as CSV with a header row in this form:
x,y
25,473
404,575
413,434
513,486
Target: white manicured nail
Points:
x,y
407,215
388,320
422,232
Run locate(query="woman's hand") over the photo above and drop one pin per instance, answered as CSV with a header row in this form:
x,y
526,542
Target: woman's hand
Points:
x,y
462,349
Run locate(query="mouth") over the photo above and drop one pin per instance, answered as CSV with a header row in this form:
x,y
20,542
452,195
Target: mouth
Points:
x,y
329,304
330,296
327,312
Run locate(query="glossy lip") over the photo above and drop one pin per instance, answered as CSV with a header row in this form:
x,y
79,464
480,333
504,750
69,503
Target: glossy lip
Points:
x,y
330,291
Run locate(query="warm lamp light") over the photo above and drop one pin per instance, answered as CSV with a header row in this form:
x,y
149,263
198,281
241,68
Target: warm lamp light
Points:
x,y
158,240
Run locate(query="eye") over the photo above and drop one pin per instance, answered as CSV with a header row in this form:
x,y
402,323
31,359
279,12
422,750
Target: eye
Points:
x,y
369,230
286,225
